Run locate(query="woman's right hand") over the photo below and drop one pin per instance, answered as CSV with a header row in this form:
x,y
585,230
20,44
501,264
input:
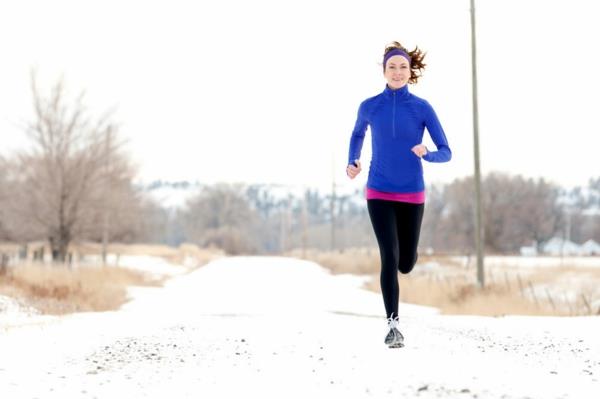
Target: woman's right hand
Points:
x,y
353,170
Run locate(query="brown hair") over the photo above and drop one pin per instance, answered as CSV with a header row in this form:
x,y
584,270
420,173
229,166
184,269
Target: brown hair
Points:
x,y
416,60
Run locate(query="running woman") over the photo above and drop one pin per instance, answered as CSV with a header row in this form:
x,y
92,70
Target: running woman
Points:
x,y
395,189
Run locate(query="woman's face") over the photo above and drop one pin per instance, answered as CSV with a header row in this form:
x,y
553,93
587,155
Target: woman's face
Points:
x,y
397,71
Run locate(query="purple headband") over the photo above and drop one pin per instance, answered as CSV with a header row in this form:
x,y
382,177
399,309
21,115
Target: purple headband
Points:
x,y
394,52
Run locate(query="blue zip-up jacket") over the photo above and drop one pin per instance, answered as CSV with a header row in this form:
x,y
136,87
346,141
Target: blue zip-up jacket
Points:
x,y
397,119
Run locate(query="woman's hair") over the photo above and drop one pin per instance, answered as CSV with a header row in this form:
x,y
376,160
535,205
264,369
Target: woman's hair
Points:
x,y
416,60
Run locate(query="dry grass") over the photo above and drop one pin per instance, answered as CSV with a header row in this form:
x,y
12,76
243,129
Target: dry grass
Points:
x,y
452,287
360,260
458,296
179,255
583,272
354,261
57,289
201,256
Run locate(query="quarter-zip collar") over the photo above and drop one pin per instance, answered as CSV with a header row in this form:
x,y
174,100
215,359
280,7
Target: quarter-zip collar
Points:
x,y
396,96
399,94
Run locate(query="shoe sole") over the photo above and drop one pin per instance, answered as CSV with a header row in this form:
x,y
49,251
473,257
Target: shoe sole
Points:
x,y
397,345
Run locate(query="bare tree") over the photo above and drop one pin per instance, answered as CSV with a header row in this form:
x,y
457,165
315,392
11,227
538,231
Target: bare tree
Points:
x,y
458,225
63,182
4,191
517,211
434,212
157,224
120,210
221,216
543,214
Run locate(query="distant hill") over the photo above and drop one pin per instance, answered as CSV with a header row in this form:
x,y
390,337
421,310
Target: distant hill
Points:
x,y
174,194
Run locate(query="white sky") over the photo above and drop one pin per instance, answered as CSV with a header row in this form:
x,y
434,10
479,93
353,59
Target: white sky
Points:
x,y
267,91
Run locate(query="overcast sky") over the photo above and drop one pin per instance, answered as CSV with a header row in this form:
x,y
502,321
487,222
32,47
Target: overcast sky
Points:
x,y
267,91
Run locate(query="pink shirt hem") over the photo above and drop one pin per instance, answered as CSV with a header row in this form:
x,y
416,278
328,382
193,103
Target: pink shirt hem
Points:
x,y
412,198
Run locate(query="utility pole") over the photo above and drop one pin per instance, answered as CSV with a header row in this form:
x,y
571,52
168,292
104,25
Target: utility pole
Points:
x,y
283,228
332,205
304,227
107,190
479,231
568,231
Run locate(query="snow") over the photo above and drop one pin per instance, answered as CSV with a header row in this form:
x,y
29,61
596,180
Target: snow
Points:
x,y
522,262
592,211
152,265
528,251
559,246
171,196
590,247
13,310
276,327
149,264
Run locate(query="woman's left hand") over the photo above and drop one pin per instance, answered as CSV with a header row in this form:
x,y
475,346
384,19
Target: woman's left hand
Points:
x,y
420,150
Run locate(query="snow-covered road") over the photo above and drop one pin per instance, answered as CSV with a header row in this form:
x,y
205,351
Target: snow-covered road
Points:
x,y
277,327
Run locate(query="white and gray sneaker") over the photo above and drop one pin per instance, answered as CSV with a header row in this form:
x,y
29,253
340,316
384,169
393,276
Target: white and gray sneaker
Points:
x,y
394,338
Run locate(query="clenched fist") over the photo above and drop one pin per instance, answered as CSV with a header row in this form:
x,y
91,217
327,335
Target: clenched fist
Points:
x,y
353,170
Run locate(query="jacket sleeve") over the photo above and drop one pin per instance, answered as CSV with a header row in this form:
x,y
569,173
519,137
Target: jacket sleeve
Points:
x,y
358,134
436,132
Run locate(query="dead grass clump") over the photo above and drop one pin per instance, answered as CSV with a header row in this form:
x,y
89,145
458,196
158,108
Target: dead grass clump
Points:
x,y
126,249
363,260
354,261
445,260
57,289
460,296
451,287
191,253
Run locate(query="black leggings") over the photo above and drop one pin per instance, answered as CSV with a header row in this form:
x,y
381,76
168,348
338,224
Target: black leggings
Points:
x,y
397,226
